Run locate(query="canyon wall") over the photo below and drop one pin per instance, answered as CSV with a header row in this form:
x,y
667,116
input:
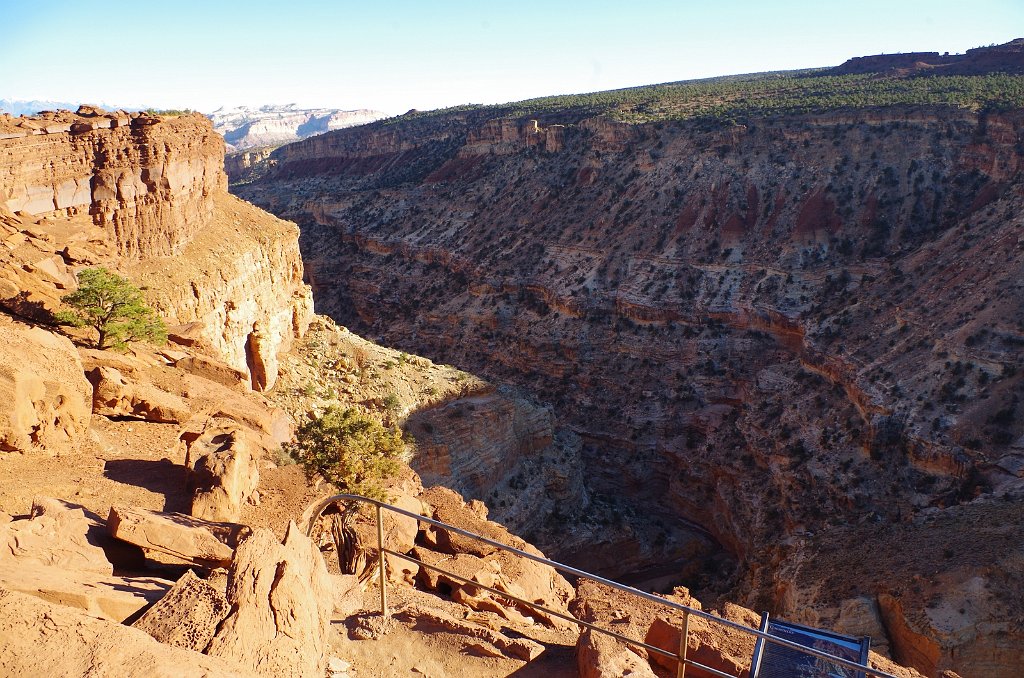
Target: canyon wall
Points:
x,y
240,282
768,331
148,181
147,195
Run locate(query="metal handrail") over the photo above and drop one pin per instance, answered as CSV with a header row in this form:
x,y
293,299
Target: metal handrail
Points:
x,y
680,656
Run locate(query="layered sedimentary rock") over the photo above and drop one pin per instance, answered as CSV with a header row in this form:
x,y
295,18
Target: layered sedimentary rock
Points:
x,y
770,330
129,191
149,181
240,279
245,127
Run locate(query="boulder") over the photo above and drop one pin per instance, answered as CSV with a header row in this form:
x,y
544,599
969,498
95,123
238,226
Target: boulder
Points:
x,y
45,639
214,370
45,400
201,542
223,470
188,614
26,295
281,599
115,396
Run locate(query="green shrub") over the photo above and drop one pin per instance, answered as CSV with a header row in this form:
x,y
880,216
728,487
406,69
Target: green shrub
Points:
x,y
114,307
350,450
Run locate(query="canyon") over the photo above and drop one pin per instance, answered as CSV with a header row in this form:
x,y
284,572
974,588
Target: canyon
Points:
x,y
773,357
762,348
147,498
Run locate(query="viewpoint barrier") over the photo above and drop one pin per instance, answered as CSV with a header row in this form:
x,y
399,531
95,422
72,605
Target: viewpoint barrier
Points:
x,y
682,662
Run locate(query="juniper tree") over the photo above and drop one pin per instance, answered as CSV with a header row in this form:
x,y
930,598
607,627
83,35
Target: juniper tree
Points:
x,y
350,450
114,307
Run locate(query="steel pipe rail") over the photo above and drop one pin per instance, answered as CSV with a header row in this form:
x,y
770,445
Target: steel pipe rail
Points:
x,y
687,612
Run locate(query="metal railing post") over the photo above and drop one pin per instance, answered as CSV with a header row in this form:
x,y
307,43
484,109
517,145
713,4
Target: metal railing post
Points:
x,y
383,566
681,669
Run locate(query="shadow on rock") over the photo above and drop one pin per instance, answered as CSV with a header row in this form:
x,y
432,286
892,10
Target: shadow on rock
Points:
x,y
162,477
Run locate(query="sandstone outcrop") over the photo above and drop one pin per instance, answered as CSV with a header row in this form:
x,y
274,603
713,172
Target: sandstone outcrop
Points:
x,y
48,639
148,181
281,600
223,470
87,187
241,279
46,399
187,616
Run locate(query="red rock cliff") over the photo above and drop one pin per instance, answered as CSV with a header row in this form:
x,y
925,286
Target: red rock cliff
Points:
x,y
149,181
154,187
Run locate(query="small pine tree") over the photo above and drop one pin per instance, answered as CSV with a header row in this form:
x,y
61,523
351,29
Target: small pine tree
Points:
x,y
114,307
350,450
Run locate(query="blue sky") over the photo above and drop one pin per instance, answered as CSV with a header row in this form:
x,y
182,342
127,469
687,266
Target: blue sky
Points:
x,y
394,55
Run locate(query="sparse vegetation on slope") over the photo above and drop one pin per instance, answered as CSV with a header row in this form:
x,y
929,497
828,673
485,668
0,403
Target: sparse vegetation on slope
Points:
x,y
732,99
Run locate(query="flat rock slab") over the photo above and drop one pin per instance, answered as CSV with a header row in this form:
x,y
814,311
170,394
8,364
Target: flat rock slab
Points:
x,y
57,534
107,596
201,542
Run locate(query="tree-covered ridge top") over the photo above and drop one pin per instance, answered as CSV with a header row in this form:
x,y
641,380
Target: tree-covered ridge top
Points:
x,y
759,95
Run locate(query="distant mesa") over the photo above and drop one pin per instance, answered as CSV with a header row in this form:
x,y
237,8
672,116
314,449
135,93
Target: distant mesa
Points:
x,y
1008,58
243,127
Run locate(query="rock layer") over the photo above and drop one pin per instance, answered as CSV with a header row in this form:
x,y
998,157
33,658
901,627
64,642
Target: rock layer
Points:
x,y
148,180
